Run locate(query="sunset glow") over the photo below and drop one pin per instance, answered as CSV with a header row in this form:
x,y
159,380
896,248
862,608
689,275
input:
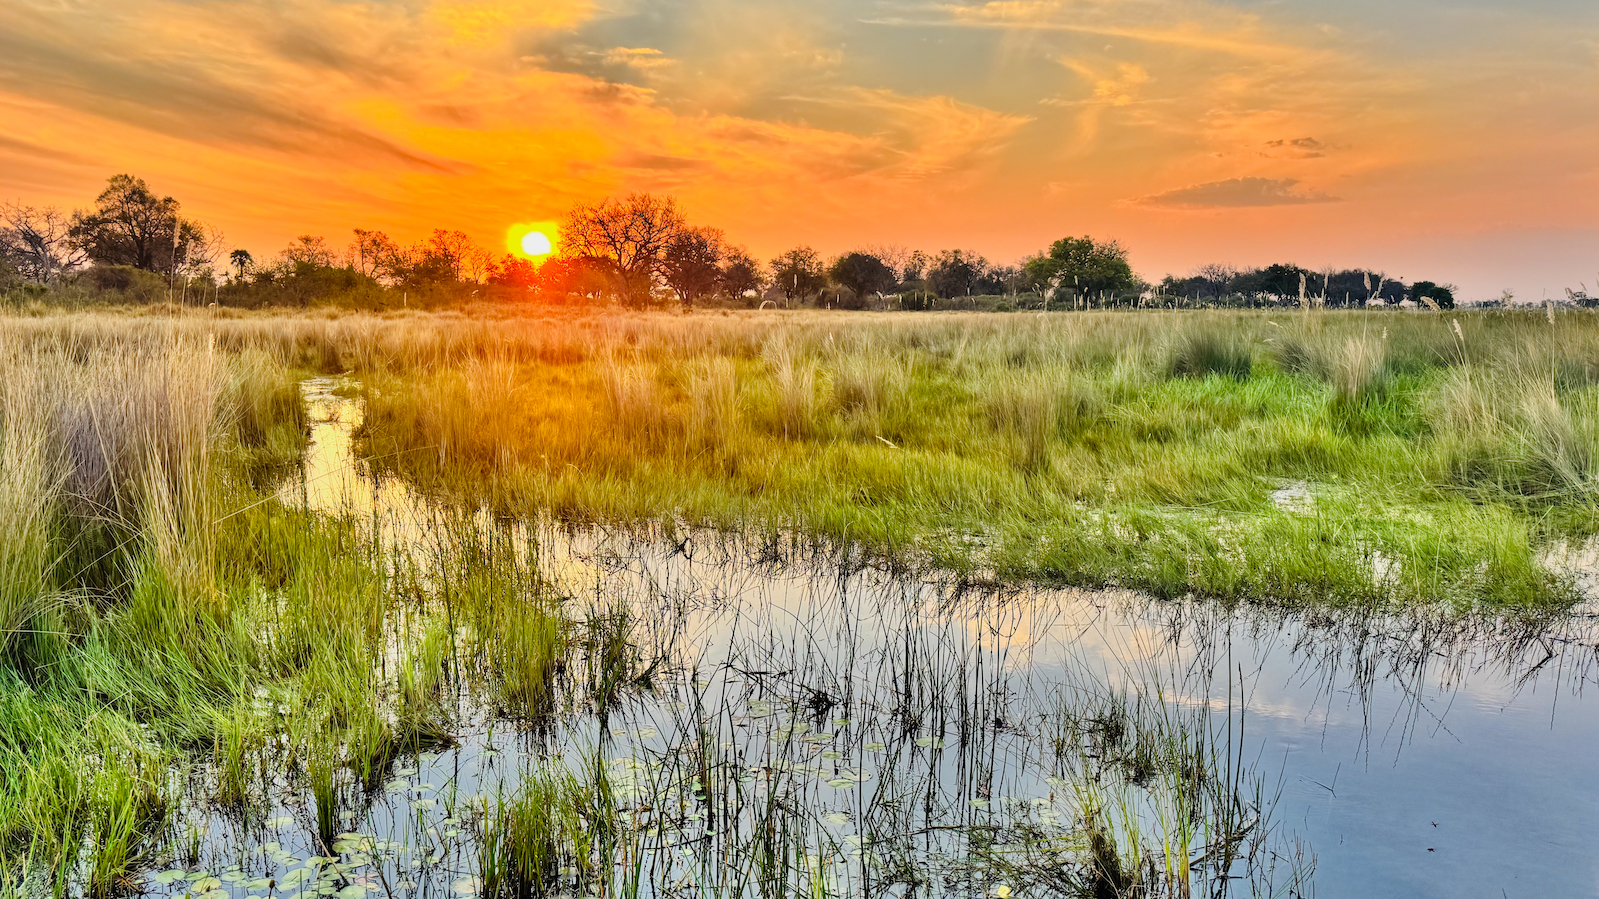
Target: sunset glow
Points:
x,y
1439,139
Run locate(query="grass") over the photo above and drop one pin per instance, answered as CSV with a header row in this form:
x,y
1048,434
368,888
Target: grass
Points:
x,y
159,612
166,620
1137,450
1095,449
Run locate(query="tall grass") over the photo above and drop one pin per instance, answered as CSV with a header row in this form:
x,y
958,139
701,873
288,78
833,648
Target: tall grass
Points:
x,y
926,438
929,438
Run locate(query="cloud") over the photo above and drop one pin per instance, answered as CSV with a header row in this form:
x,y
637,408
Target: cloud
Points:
x,y
642,58
1203,26
660,163
494,22
1298,148
918,138
1237,193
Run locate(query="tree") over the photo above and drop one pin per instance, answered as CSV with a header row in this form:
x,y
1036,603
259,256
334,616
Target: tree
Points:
x,y
897,257
476,264
241,260
691,263
9,277
631,235
915,267
1442,295
798,274
740,273
1083,264
307,250
1279,281
1009,279
514,271
957,273
453,252
568,276
35,241
373,254
130,225
862,274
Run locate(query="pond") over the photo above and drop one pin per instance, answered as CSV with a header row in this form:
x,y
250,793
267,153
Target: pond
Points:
x,y
795,715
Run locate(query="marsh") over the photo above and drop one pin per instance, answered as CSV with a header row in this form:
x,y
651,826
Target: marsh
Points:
x,y
776,604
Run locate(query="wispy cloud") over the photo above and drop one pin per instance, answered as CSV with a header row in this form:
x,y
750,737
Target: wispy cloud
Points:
x,y
1237,193
1212,27
1297,148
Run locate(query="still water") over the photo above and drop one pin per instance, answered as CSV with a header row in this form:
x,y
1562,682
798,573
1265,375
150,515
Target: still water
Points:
x,y
1417,755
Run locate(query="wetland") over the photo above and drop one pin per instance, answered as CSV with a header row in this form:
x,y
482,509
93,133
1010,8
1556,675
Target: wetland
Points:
x,y
983,605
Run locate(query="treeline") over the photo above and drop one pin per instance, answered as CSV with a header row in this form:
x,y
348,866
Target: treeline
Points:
x,y
136,246
1220,285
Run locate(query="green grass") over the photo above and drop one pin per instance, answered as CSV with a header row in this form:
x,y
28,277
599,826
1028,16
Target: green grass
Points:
x,y
160,611
1092,449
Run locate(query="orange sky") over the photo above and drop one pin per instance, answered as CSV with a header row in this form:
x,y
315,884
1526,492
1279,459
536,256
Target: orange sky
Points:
x,y
1454,140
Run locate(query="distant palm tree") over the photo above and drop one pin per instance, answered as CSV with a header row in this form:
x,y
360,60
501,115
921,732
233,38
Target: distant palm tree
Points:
x,y
241,260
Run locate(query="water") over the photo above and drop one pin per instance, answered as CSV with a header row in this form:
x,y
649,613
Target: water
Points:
x,y
1419,755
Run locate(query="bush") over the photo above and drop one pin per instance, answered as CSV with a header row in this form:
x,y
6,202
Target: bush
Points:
x,y
135,284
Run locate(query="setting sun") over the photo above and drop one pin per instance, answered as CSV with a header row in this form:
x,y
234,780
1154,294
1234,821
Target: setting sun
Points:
x,y
532,240
536,243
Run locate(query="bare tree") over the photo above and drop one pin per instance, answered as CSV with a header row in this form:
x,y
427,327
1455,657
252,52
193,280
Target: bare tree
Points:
x,y
451,249
35,239
631,235
476,263
896,256
372,253
308,250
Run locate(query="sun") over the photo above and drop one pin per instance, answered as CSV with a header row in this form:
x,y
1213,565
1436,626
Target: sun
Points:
x,y
532,240
537,243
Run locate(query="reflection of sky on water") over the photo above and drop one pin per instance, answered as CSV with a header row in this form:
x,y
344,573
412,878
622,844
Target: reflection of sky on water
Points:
x,y
1431,760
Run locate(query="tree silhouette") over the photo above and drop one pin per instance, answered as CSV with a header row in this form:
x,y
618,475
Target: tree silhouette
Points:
x,y
691,263
35,241
957,273
130,225
740,273
798,274
631,235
